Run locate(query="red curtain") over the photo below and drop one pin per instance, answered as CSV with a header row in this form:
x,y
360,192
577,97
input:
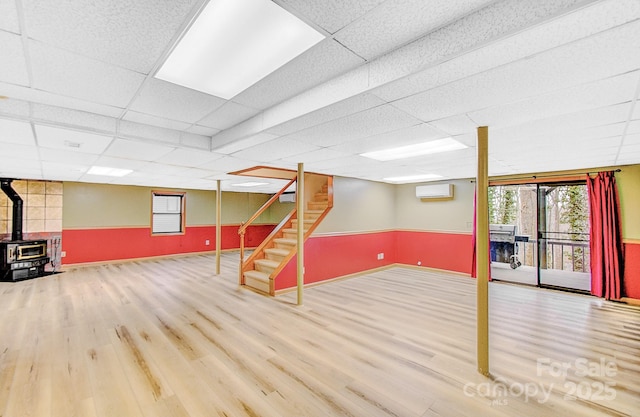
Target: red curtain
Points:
x,y
605,238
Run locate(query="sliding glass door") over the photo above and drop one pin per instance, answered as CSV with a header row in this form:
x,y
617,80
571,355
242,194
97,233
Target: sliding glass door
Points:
x,y
563,236
512,224
539,234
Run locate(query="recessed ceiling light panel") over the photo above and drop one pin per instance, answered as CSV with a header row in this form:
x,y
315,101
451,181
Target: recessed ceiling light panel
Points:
x,y
108,171
249,184
235,43
409,151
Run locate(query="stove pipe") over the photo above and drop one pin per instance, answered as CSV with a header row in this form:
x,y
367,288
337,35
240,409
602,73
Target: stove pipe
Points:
x,y
5,184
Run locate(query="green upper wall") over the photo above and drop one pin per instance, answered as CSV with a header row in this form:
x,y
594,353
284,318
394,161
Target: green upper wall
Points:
x,y
628,181
89,205
359,206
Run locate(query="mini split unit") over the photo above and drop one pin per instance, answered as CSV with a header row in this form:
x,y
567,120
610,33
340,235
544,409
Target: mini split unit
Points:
x,y
434,191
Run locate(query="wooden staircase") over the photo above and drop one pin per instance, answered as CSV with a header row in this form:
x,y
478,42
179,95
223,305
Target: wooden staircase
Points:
x,y
260,270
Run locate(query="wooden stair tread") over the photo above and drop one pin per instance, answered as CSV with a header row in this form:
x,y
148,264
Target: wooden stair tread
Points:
x,y
257,275
267,262
277,251
285,241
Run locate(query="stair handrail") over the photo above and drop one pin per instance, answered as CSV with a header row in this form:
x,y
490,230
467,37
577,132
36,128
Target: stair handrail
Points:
x,y
245,225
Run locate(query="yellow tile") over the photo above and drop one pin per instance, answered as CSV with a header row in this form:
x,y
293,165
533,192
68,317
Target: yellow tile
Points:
x,y
54,200
53,225
36,200
36,225
21,187
35,213
5,227
35,187
53,187
5,214
53,213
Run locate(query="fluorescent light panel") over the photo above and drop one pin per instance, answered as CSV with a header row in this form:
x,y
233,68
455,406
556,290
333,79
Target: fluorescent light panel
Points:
x,y
409,151
110,172
413,178
249,184
235,43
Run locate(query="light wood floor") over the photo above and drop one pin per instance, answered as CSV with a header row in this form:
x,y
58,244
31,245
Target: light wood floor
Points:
x,y
169,338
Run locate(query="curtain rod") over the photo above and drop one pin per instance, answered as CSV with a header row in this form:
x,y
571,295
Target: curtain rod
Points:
x,y
535,177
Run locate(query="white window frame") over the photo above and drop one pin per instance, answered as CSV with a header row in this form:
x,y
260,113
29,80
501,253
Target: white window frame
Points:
x,y
167,213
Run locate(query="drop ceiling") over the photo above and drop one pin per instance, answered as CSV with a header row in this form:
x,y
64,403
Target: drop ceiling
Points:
x,y
556,81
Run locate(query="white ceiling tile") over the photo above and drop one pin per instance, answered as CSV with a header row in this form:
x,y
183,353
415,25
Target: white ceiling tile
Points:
x,y
13,131
113,162
171,101
63,156
137,117
319,155
600,56
633,127
159,169
398,22
455,125
275,149
636,107
64,171
401,137
142,151
227,115
22,93
189,158
193,140
11,107
9,17
559,123
70,117
332,15
203,130
139,130
320,63
244,143
197,173
370,122
581,98
340,109
230,164
594,18
21,164
13,68
71,140
130,34
15,151
62,72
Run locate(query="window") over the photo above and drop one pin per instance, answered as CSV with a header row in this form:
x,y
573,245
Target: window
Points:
x,y
167,213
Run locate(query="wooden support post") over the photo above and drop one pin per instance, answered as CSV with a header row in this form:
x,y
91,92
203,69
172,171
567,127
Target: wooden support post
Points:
x,y
482,250
218,225
300,232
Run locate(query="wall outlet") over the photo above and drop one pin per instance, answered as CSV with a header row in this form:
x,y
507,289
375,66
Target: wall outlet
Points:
x,y
206,242
380,256
63,254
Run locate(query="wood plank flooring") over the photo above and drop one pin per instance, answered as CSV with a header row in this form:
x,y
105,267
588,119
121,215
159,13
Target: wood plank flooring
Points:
x,y
170,338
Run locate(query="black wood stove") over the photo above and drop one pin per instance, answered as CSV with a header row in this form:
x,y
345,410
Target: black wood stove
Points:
x,y
20,259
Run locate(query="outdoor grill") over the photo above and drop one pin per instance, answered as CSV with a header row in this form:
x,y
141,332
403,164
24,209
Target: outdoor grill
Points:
x,y
504,244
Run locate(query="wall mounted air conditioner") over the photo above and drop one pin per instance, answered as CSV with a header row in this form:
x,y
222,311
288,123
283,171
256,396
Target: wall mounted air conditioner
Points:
x,y
287,197
435,191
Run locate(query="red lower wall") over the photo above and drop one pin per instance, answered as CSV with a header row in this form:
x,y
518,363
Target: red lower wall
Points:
x,y
632,270
448,251
329,257
98,245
